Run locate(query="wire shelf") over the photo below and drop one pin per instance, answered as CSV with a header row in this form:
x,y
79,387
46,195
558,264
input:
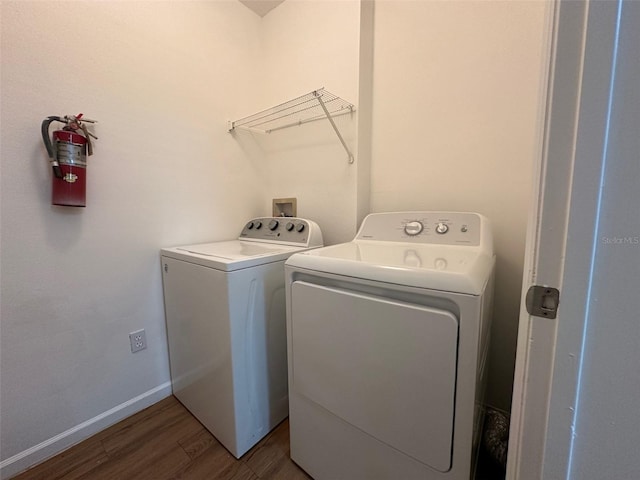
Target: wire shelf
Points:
x,y
300,110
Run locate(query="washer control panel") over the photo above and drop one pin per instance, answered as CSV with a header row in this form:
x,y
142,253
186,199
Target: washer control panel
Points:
x,y
285,230
441,228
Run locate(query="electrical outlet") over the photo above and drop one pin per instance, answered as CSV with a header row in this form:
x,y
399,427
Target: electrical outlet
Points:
x,y
138,340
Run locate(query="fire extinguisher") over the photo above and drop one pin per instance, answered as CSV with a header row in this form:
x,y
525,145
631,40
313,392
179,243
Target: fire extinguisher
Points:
x,y
68,149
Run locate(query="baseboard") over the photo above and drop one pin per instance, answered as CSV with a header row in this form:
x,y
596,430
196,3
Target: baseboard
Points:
x,y
54,445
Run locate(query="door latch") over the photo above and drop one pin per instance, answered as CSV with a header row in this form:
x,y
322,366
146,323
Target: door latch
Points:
x,y
543,301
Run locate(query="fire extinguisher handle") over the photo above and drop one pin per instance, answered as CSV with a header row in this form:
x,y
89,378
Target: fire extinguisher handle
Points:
x,y
45,135
57,171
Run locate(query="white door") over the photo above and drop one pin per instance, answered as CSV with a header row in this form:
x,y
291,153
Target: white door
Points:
x,y
594,71
386,367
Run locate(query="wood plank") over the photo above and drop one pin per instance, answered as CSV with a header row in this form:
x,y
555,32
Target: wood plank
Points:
x,y
215,462
71,464
170,419
141,466
198,443
148,447
270,458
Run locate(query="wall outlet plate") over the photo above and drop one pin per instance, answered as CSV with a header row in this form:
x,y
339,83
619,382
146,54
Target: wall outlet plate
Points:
x,y
138,340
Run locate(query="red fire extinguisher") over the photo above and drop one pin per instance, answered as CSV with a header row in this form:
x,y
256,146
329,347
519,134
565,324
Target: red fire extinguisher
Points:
x,y
68,149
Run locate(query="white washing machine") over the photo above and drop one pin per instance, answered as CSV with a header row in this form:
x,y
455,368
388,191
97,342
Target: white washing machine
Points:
x,y
225,314
387,345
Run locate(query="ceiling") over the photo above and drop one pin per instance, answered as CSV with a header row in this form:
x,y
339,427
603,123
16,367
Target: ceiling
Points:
x,y
261,7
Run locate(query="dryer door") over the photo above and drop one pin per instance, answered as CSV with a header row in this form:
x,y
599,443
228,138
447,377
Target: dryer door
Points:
x,y
384,366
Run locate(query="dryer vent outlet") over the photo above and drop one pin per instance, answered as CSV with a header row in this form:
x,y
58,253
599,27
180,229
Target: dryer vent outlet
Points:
x,y
138,340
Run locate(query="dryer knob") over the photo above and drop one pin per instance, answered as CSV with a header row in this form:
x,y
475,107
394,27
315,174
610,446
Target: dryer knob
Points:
x,y
440,263
413,228
442,228
289,226
273,224
300,227
250,225
258,225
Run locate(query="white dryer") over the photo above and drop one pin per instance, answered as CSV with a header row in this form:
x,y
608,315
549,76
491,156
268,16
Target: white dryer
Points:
x,y
387,343
225,314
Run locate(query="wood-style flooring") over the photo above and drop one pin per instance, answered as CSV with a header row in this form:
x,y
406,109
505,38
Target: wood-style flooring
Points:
x,y
165,442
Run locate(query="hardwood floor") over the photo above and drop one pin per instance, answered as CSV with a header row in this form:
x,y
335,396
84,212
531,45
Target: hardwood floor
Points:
x,y
165,442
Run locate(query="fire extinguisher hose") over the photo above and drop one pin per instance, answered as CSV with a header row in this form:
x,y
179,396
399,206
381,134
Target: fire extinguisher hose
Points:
x,y
47,142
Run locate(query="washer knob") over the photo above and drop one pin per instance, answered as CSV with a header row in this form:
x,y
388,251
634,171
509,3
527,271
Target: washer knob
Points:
x,y
273,224
258,225
300,227
250,225
289,226
442,228
413,228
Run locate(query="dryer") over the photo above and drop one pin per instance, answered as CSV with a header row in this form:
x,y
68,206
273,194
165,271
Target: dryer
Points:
x,y
387,344
225,315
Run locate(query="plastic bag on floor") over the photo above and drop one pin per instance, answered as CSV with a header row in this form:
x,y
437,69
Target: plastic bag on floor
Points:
x,y
496,435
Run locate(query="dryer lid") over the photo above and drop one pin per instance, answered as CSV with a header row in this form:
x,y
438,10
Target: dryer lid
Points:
x,y
445,268
447,251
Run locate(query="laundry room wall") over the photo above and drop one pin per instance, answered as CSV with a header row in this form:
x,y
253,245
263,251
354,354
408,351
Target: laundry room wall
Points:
x,y
307,46
456,114
162,79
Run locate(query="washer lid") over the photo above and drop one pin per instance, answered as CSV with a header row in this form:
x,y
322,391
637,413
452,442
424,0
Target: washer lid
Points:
x,y
231,255
448,268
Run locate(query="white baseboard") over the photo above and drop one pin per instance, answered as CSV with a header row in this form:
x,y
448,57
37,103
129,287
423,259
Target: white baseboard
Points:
x,y
54,445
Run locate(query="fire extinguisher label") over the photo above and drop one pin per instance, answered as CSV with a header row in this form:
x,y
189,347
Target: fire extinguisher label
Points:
x,y
70,177
71,154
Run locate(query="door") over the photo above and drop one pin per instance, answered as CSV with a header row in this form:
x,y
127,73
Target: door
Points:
x,y
564,232
386,367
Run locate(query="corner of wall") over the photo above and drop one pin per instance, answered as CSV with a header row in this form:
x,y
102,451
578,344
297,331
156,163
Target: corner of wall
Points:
x,y
365,111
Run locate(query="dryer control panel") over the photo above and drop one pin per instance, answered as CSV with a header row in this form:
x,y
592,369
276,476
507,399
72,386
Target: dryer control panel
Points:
x,y
283,230
438,228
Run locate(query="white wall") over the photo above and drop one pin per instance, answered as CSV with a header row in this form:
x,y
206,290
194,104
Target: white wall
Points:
x,y
162,79
456,107
309,45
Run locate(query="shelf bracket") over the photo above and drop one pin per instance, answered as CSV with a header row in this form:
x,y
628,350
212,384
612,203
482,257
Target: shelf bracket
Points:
x,y
333,124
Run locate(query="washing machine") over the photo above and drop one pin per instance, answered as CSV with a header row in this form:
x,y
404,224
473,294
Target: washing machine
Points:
x,y
225,315
387,345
